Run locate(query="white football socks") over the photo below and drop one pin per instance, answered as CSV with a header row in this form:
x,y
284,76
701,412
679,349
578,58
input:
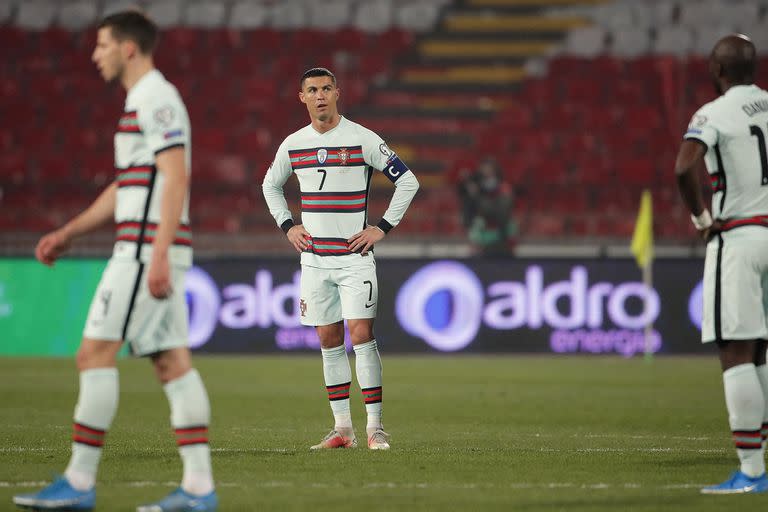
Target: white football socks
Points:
x,y
746,406
190,416
94,412
338,377
369,376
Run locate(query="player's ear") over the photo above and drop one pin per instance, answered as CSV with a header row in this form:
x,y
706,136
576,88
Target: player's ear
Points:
x,y
128,49
301,97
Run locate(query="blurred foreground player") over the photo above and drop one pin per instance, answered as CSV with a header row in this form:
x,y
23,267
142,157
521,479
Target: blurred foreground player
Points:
x,y
729,135
334,159
140,299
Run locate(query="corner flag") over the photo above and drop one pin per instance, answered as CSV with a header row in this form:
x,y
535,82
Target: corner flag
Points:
x,y
642,239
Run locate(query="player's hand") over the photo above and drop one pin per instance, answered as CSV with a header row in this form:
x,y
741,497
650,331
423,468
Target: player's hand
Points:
x,y
51,246
713,230
159,276
298,236
362,242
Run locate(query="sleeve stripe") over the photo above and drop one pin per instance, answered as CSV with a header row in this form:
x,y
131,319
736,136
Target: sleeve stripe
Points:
x,y
166,148
696,139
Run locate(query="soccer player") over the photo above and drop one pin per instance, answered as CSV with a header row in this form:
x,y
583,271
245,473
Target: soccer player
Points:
x,y
334,159
729,135
140,299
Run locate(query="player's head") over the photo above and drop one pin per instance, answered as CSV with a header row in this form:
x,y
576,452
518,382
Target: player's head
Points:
x,y
319,93
732,62
122,38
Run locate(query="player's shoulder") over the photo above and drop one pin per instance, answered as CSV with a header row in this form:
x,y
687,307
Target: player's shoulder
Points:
x,y
297,138
364,133
155,91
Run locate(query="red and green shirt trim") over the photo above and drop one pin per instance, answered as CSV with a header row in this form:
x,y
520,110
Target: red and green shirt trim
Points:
x,y
129,123
139,176
328,246
129,232
326,157
334,202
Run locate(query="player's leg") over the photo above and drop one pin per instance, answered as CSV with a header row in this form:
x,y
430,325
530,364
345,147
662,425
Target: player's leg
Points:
x,y
358,289
734,320
338,377
162,333
190,417
98,394
762,375
320,307
368,368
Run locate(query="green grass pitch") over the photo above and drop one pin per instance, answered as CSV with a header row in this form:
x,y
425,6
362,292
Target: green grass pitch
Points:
x,y
523,433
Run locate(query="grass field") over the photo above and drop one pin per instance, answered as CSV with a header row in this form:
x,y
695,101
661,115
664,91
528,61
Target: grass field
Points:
x,y
468,433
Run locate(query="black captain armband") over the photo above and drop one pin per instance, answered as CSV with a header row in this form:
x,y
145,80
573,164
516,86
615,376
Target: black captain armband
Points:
x,y
395,168
287,225
384,226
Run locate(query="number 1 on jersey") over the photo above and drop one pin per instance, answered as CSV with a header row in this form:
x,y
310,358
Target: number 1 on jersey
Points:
x,y
325,173
757,132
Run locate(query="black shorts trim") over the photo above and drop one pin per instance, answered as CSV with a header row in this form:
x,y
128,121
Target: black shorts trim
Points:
x,y
719,290
132,302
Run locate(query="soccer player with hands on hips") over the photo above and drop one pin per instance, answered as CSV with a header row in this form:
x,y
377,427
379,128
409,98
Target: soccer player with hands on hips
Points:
x,y
334,160
140,298
729,136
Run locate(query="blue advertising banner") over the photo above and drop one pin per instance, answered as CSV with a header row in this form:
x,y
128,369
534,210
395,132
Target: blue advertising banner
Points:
x,y
504,305
590,306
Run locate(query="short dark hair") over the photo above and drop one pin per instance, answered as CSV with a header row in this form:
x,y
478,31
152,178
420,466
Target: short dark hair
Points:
x,y
134,26
316,72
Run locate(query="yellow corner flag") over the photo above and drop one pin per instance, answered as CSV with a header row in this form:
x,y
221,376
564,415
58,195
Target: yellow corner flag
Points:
x,y
642,239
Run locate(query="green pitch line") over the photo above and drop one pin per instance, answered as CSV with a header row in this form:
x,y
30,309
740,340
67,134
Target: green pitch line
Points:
x,y
468,433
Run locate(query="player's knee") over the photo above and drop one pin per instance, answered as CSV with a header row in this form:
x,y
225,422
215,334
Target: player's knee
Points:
x,y
95,355
361,332
171,365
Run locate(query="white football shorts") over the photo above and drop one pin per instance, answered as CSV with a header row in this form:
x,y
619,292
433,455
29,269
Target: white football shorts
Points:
x,y
123,310
735,286
329,295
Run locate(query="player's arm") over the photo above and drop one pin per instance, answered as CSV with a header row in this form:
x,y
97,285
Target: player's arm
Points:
x,y
272,188
101,211
165,125
172,164
700,136
689,160
406,185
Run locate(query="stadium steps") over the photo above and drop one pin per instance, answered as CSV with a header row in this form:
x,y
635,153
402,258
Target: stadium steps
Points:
x,y
457,80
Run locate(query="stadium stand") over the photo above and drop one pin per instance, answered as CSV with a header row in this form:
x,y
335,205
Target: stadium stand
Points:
x,y
582,102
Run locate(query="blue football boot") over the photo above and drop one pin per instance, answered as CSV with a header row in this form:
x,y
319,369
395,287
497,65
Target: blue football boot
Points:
x,y
739,483
58,496
180,501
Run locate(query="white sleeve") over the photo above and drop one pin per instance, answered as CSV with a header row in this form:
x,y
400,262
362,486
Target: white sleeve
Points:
x,y
378,155
277,174
703,127
164,124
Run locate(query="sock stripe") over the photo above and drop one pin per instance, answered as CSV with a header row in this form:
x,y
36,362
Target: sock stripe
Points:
x,y
764,431
338,391
90,436
191,435
372,395
748,439
192,430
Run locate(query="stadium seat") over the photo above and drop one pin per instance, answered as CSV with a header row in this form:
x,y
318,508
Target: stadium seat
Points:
x,y
373,16
249,15
166,13
205,14
77,15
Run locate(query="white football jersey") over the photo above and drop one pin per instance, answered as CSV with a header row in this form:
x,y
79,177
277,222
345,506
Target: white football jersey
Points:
x,y
734,128
155,119
334,170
